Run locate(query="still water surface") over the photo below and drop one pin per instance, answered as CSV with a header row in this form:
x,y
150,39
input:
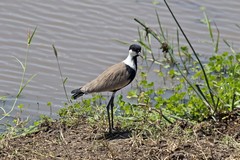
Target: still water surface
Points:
x,y
83,33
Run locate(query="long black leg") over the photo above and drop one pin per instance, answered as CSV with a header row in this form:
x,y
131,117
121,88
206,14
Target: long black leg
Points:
x,y
112,104
109,118
109,121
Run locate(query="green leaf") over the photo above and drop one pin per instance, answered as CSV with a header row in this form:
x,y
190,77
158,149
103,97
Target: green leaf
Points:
x,y
20,106
29,80
22,65
49,104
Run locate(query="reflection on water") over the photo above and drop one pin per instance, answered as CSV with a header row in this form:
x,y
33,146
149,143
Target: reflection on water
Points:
x,y
83,33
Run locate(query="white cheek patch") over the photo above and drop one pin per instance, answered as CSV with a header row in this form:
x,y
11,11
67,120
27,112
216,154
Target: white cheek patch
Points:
x,y
129,60
132,53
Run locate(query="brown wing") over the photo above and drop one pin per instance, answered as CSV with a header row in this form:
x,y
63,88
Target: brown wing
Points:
x,y
112,79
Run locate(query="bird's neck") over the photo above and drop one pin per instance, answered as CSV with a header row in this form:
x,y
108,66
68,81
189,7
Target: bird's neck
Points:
x,y
131,62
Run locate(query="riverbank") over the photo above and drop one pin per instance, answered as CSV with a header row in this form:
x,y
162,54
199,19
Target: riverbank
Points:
x,y
84,140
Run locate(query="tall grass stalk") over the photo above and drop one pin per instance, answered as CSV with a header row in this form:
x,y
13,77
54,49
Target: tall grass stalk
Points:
x,y
218,38
195,54
160,27
207,21
24,66
23,84
230,46
210,30
179,53
59,68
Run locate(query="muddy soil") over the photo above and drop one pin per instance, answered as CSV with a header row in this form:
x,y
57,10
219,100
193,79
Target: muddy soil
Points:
x,y
180,141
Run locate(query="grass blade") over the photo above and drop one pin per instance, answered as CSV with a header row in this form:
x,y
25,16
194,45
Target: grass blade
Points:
x,y
238,26
30,37
205,99
22,65
55,51
218,38
195,54
160,26
206,20
22,87
59,68
231,48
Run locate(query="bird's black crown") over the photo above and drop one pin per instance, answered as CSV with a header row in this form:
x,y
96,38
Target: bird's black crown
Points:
x,y
135,47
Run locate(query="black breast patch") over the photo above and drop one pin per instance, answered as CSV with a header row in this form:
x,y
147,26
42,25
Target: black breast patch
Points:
x,y
131,72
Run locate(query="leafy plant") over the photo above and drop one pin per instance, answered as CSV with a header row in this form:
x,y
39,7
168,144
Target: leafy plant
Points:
x,y
205,90
91,108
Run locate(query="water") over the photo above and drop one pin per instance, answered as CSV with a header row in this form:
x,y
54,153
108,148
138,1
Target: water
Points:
x,y
84,34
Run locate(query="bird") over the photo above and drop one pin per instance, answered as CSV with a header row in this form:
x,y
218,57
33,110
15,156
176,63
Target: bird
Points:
x,y
112,79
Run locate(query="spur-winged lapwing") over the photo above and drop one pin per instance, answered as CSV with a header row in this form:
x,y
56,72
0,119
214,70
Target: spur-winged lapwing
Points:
x,y
113,79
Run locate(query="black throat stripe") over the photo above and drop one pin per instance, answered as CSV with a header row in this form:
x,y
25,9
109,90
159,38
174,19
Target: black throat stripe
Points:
x,y
131,72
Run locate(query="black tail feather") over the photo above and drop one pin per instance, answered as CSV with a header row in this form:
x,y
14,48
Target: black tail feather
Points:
x,y
77,93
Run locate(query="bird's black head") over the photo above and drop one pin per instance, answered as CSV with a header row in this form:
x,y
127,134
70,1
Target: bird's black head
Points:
x,y
135,48
134,52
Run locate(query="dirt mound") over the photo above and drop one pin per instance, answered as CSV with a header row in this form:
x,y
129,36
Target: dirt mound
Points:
x,y
182,140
